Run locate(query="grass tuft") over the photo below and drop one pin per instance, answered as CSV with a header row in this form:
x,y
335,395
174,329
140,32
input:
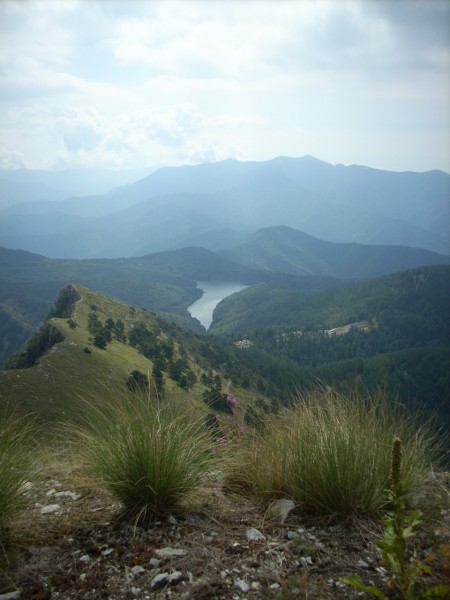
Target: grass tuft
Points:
x,y
15,463
149,454
332,454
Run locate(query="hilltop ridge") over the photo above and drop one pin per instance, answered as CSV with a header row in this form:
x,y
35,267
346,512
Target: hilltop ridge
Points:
x,y
91,341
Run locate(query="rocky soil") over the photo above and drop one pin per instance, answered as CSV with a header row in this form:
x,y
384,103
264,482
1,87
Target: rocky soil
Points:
x,y
69,545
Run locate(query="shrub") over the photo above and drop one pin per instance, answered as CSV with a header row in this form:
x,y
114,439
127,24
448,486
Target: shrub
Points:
x,y
149,455
15,463
137,381
39,343
332,454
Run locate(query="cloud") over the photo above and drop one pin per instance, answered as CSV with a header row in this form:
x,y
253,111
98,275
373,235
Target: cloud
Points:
x,y
135,82
85,137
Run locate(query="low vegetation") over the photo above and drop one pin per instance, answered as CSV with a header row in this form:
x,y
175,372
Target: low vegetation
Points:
x,y
332,454
149,454
15,463
405,572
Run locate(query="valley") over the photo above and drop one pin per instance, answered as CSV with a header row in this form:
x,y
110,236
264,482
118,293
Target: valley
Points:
x,y
213,292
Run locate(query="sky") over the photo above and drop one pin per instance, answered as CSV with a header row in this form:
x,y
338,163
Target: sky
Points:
x,y
127,84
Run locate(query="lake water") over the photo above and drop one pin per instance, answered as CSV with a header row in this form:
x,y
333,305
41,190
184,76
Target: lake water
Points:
x,y
214,292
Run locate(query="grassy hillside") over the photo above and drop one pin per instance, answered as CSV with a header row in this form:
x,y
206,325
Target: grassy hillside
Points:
x,y
76,366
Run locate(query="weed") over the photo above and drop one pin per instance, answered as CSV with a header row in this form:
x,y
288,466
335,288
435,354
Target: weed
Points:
x,y
149,454
404,572
15,463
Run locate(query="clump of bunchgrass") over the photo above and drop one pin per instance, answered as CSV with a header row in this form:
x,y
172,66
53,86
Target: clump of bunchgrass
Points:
x,y
15,463
149,454
332,454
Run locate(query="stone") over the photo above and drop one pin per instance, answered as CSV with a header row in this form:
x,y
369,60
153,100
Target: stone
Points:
x,y
10,595
165,579
292,535
170,552
25,487
362,564
71,495
241,585
50,508
85,558
280,509
137,570
254,535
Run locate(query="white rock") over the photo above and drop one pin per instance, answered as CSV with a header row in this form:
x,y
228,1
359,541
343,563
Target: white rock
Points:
x,y
107,552
155,562
275,586
24,488
170,552
175,577
165,578
240,584
50,508
85,558
172,521
10,595
292,535
362,564
137,570
254,535
67,495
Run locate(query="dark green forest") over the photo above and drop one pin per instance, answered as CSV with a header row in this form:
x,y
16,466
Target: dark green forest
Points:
x,y
403,347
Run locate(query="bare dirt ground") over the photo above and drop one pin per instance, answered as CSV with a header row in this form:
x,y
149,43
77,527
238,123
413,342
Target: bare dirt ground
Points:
x,y
68,545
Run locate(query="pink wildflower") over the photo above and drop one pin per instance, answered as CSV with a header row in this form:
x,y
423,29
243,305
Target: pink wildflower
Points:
x,y
232,402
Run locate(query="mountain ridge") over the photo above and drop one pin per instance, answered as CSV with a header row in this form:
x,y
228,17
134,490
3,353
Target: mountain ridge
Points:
x,y
175,204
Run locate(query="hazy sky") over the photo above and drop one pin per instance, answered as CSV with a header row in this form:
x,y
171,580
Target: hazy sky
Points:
x,y
130,84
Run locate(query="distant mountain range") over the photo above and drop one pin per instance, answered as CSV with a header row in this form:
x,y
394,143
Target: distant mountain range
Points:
x,y
290,251
28,186
217,205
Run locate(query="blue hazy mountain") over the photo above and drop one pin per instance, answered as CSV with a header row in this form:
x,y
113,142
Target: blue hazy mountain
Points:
x,y
214,205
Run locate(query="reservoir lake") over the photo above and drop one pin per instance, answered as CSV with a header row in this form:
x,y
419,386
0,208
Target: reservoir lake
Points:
x,y
214,291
